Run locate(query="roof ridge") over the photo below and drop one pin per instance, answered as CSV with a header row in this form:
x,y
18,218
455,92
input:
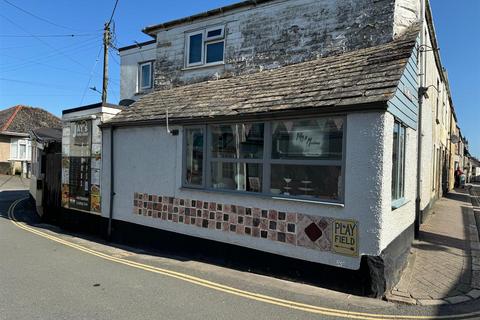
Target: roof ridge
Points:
x,y
12,117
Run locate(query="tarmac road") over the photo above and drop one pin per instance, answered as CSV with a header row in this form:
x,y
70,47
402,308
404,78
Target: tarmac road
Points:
x,y
48,274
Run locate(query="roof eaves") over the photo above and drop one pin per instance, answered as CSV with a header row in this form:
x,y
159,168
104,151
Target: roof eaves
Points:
x,y
150,30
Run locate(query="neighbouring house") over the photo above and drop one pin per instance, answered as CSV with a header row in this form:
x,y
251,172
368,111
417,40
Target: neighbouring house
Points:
x,y
15,144
46,169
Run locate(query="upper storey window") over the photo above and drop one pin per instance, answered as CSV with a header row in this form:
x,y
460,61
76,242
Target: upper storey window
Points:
x,y
205,47
145,76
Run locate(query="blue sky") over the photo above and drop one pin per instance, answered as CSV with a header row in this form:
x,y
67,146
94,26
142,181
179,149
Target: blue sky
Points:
x,y
56,72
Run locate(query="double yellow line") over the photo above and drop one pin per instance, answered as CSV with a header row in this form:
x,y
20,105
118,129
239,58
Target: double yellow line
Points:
x,y
227,289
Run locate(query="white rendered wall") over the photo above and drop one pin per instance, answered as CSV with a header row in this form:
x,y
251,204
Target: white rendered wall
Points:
x,y
394,222
148,159
129,60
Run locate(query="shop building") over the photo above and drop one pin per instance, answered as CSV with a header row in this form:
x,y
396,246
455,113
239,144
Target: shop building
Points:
x,y
271,129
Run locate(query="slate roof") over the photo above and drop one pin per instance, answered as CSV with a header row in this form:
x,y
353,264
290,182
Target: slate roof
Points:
x,y
23,119
349,81
47,134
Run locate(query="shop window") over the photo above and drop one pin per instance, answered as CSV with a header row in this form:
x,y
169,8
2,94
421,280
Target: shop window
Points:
x,y
205,47
398,163
194,147
294,158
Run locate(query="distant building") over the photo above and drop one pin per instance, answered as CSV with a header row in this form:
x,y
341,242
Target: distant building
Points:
x,y
46,168
15,144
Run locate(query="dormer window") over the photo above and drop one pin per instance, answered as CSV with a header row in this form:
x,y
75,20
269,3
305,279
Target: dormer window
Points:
x,y
205,47
144,76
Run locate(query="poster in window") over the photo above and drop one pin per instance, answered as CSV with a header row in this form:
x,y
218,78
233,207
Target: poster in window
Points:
x,y
80,138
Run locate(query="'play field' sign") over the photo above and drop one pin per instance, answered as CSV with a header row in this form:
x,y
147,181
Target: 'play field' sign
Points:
x,y
345,237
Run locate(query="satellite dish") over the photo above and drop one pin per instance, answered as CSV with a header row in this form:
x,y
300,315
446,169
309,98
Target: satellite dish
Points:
x,y
126,102
454,139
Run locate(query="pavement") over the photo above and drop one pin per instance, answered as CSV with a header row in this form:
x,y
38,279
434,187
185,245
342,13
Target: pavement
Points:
x,y
443,265
47,273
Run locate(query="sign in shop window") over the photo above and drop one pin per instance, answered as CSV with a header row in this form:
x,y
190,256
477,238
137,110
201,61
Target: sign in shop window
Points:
x,y
81,167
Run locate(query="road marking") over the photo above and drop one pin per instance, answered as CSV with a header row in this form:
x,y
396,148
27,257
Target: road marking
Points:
x,y
227,289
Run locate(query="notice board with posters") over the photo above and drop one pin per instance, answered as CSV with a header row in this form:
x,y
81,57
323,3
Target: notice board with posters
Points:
x,y
81,157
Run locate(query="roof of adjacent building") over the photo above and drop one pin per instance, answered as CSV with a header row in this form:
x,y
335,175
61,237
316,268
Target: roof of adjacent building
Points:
x,y
92,106
23,119
361,79
47,134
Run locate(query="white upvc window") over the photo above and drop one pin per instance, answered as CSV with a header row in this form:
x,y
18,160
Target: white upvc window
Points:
x,y
205,47
145,77
20,149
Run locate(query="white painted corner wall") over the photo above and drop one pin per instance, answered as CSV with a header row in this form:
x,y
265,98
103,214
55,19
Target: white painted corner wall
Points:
x,y
148,159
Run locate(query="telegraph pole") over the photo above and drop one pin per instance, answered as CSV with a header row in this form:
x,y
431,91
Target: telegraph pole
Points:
x,y
106,44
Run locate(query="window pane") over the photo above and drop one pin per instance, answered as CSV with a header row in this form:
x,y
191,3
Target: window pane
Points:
x,y
237,176
196,44
22,151
194,156
214,33
401,164
395,155
146,76
215,52
308,139
239,141
323,182
14,149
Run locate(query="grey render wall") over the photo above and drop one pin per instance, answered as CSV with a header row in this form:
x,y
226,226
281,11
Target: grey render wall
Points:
x,y
130,59
148,160
276,34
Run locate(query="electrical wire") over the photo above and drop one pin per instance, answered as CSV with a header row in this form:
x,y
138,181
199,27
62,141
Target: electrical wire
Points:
x,y
77,47
40,18
91,74
47,35
42,41
113,13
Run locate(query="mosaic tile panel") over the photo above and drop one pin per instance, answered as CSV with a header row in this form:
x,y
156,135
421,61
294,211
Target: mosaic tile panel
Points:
x,y
287,227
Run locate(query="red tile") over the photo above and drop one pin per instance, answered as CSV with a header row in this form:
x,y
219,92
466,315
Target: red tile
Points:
x,y
291,238
272,214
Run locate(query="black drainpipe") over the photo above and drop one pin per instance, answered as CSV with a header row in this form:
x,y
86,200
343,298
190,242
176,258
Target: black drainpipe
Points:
x,y
112,181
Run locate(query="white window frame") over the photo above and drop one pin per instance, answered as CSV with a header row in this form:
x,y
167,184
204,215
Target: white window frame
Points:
x,y
205,42
221,36
28,149
140,85
399,171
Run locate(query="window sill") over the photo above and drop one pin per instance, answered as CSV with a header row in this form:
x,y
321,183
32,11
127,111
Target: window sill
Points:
x,y
204,66
264,196
396,204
